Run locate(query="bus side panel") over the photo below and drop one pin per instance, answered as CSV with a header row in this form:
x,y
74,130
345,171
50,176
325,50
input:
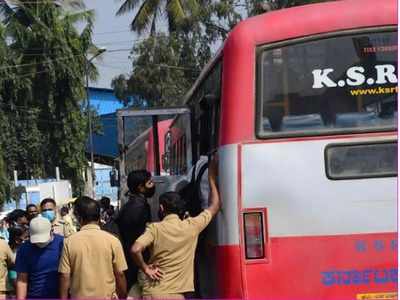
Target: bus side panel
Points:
x,y
331,267
325,238
229,284
226,239
290,179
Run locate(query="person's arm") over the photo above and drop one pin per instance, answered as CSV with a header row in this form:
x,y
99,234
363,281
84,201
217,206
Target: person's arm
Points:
x,y
22,269
215,203
22,286
146,239
152,271
119,266
64,269
11,257
120,281
65,282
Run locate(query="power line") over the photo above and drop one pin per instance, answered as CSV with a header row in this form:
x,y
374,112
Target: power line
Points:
x,y
44,53
35,110
121,42
38,63
116,61
111,32
111,67
32,73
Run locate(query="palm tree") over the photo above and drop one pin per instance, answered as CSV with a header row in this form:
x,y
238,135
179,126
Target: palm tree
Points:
x,y
151,12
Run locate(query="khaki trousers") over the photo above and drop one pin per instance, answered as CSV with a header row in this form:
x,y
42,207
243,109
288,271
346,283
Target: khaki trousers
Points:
x,y
136,293
166,296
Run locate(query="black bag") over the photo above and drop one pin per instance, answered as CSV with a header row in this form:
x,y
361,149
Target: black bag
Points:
x,y
191,192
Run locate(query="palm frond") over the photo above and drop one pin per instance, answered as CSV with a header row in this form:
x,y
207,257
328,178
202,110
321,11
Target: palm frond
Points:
x,y
193,6
176,12
145,15
73,4
86,38
153,25
81,16
127,6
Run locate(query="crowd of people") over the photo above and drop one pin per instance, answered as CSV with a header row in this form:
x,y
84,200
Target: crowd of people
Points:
x,y
92,251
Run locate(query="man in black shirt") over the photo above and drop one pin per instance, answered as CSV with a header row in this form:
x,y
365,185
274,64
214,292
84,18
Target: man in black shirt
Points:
x,y
134,215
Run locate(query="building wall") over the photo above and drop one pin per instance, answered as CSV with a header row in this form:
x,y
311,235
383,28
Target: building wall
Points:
x,y
104,100
103,187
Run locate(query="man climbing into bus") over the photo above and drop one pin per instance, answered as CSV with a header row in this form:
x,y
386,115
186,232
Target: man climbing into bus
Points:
x,y
134,215
169,273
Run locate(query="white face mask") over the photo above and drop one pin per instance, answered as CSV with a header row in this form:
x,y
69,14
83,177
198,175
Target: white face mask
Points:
x,y
43,245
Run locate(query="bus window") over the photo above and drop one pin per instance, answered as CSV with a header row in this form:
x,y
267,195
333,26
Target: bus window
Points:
x,y
178,164
178,150
205,105
337,84
141,142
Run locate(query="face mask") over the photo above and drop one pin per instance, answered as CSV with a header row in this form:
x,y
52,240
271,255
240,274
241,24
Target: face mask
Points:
x,y
149,192
42,245
49,215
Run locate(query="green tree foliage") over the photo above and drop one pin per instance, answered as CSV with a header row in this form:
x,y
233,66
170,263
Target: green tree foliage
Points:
x,y
164,69
42,85
150,12
4,183
166,65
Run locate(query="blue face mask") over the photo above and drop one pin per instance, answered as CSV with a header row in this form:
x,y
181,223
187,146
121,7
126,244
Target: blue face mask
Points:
x,y
49,215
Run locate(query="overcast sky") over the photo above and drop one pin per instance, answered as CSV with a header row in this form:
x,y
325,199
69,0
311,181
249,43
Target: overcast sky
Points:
x,y
113,33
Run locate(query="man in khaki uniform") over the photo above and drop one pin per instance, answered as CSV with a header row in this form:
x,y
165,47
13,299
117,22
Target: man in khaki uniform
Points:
x,y
7,259
93,263
48,208
172,244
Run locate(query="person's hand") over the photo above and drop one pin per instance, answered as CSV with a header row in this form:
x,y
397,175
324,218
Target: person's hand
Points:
x,y
153,272
213,170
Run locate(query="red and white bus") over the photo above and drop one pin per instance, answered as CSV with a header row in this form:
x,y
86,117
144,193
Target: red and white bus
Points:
x,y
301,105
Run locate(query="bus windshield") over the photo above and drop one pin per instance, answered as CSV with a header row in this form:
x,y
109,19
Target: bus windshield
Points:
x,y
336,84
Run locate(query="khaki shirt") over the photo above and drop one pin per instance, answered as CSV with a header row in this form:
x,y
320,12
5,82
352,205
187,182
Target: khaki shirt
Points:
x,y
7,259
62,227
90,256
172,246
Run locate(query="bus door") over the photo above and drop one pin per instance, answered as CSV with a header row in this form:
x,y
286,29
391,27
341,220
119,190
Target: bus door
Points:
x,y
143,138
168,142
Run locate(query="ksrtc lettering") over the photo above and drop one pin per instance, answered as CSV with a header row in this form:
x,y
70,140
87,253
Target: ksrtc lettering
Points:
x,y
323,78
357,277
